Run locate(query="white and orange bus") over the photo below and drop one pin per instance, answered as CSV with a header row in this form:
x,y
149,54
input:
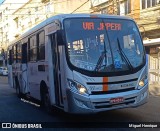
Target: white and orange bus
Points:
x,y
81,63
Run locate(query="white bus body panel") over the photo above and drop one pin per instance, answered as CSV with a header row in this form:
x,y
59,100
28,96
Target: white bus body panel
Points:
x,y
24,80
33,80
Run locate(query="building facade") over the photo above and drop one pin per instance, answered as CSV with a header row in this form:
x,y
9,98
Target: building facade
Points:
x,y
147,15
36,11
7,26
18,17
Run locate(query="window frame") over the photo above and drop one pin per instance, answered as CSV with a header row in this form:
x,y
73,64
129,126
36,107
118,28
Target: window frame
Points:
x,y
18,52
31,48
39,46
127,7
144,4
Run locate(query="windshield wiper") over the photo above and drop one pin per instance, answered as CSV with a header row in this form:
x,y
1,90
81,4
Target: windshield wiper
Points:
x,y
104,55
120,51
100,60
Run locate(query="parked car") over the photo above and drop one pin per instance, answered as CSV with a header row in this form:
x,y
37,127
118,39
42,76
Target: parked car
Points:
x,y
3,71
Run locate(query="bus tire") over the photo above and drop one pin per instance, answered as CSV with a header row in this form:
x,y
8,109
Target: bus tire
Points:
x,y
45,100
17,86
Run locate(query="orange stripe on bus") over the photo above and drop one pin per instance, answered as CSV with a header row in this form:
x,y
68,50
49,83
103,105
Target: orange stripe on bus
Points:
x,y
105,86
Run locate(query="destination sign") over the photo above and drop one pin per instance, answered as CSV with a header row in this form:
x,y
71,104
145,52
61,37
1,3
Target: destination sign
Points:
x,y
101,26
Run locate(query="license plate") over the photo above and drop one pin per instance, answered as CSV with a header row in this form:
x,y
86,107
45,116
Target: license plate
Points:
x,y
116,100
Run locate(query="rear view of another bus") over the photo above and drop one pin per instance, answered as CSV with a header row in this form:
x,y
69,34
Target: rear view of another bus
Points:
x,y
106,57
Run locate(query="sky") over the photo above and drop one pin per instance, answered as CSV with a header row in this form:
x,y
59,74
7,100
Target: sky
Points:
x,y
1,1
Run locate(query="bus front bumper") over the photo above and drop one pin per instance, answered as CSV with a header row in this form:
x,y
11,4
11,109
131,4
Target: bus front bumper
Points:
x,y
80,104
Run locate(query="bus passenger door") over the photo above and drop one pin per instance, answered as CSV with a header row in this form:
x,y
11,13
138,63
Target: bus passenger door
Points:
x,y
24,79
10,75
57,75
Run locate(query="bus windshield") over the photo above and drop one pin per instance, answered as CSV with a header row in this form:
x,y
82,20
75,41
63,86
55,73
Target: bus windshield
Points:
x,y
103,45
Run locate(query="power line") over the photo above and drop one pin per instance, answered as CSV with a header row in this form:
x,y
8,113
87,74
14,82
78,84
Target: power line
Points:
x,y
41,13
31,7
23,8
40,7
34,2
19,8
79,7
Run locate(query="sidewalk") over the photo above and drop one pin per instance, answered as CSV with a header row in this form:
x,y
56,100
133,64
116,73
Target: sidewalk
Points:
x,y
154,89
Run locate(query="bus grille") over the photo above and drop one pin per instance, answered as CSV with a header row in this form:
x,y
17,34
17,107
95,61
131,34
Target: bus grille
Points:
x,y
112,91
107,104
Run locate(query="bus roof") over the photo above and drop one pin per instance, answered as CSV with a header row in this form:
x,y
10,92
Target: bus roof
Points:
x,y
64,16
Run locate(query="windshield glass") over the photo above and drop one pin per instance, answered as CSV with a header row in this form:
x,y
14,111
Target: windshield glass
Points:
x,y
103,45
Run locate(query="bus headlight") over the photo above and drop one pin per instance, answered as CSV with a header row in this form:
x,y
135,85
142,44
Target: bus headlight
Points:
x,y
142,82
81,89
75,85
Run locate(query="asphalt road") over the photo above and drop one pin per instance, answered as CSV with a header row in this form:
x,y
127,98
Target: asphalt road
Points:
x,y
13,109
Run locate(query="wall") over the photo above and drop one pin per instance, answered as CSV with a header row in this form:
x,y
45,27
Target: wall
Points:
x,y
68,6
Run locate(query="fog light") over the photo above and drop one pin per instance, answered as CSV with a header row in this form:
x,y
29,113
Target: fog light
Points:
x,y
80,103
144,95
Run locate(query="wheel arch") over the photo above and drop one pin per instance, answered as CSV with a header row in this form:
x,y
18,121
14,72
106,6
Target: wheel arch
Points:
x,y
43,87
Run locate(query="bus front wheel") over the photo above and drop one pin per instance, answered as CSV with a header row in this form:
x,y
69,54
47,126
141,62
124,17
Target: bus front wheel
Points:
x,y
17,88
45,99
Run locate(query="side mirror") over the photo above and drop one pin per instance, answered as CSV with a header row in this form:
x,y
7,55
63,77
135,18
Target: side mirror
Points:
x,y
60,37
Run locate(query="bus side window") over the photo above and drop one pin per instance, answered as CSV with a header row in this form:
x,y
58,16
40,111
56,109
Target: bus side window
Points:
x,y
19,53
41,46
32,48
24,53
14,56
